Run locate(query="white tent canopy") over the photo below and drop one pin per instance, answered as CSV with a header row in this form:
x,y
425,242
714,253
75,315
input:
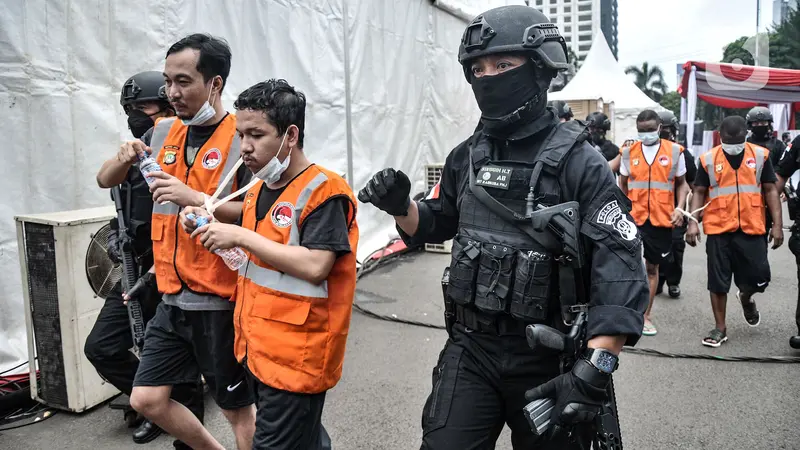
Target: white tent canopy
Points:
x,y
602,77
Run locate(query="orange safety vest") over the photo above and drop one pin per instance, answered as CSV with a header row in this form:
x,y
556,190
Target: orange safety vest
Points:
x,y
651,186
292,332
179,260
735,195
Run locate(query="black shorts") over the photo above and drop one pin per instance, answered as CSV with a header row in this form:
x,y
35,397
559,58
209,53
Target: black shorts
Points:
x,y
657,242
740,255
288,419
180,345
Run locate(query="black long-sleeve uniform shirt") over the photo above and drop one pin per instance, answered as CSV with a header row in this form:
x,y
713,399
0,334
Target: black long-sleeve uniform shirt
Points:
x,y
619,292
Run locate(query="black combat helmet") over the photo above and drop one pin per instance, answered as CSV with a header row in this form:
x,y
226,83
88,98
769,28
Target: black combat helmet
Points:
x,y
758,114
598,120
143,87
668,119
514,29
563,111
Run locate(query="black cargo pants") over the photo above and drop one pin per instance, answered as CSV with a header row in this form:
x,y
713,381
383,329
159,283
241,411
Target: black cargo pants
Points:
x,y
794,246
479,386
107,348
671,272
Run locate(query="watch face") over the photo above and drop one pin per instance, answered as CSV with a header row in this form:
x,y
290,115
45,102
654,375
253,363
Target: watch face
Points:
x,y
606,361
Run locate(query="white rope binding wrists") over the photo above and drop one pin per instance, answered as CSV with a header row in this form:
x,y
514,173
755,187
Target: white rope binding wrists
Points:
x,y
690,215
211,203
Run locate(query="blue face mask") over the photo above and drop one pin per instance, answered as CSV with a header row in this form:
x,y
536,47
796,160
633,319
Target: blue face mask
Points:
x,y
649,138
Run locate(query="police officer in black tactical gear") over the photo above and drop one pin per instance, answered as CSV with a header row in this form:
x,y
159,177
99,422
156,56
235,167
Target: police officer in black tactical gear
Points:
x,y
759,122
671,271
143,99
789,183
599,124
504,274
562,110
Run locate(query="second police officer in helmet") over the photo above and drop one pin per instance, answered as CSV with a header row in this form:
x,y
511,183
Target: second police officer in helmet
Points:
x,y
503,275
759,123
599,124
562,110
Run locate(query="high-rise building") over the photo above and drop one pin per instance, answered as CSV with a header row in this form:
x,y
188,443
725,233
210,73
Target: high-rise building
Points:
x,y
780,9
580,20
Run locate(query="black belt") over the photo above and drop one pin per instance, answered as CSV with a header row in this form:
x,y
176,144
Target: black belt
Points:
x,y
500,325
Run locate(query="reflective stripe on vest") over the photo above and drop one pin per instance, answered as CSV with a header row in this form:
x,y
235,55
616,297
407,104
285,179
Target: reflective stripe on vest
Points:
x,y
160,133
283,282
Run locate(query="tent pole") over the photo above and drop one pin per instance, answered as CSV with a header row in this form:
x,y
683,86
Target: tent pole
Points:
x,y
347,100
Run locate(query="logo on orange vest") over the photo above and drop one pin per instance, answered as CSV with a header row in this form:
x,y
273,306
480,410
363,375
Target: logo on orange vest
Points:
x,y
212,158
719,168
611,214
169,157
282,214
751,163
663,160
636,162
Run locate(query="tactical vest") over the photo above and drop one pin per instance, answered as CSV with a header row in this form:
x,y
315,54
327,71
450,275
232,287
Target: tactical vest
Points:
x,y
497,266
137,209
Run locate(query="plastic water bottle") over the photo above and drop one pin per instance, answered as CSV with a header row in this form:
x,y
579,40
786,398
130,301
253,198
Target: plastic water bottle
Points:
x,y
148,164
234,257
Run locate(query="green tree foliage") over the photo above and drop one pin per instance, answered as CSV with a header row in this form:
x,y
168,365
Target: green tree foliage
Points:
x,y
649,79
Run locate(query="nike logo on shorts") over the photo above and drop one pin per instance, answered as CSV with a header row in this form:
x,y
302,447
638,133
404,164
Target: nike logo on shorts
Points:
x,y
664,255
232,388
761,284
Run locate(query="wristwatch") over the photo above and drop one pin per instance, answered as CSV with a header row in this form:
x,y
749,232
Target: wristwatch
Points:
x,y
602,359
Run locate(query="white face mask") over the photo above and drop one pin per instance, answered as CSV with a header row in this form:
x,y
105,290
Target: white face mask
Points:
x,y
649,138
273,170
205,113
733,149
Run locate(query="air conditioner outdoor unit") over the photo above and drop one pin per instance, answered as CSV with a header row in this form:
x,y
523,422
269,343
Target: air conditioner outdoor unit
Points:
x,y
56,251
432,174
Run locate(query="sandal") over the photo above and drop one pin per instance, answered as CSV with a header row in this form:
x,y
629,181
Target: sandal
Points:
x,y
715,338
649,329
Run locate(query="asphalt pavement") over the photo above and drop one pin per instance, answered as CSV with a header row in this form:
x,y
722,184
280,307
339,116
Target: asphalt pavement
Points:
x,y
664,403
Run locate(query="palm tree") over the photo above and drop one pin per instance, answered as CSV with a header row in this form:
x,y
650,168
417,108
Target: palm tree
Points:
x,y
649,79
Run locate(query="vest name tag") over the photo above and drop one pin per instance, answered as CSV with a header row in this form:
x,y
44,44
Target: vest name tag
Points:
x,y
494,176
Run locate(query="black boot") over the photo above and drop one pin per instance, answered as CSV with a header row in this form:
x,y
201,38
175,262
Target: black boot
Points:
x,y
146,432
674,291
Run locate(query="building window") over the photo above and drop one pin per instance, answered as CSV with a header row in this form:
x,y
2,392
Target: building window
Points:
x,y
585,18
553,2
553,11
567,18
584,48
585,27
567,9
538,2
585,37
585,7
567,28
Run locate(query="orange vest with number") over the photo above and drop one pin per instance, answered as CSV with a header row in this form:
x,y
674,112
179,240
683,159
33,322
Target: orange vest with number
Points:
x,y
735,195
293,332
651,186
179,260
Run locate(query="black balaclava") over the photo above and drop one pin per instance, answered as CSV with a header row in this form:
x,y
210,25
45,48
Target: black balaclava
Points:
x,y
667,133
598,137
510,99
139,122
761,133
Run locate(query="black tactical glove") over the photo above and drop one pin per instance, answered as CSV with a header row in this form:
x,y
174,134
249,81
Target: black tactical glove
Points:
x,y
579,394
388,190
145,284
112,247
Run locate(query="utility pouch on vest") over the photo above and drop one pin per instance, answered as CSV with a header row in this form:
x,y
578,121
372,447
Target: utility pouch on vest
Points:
x,y
495,275
531,294
464,270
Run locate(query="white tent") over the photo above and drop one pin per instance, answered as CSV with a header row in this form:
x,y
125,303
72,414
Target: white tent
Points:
x,y
602,77
383,84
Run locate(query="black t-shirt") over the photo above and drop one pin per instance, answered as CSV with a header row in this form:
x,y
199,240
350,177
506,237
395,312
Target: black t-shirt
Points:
x,y
325,228
767,173
196,137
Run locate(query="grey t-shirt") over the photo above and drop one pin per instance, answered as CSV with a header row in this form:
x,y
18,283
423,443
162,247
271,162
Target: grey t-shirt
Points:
x,y
185,299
